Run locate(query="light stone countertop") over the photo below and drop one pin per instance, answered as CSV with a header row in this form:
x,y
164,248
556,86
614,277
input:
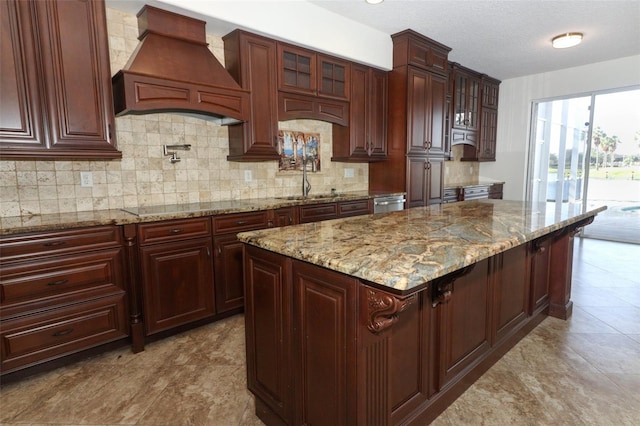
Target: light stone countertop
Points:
x,y
404,250
55,222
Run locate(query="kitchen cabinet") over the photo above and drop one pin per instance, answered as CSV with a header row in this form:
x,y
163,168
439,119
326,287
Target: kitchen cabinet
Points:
x,y
176,272
425,181
312,85
56,85
474,192
326,211
416,142
310,73
540,261
426,113
465,118
510,292
365,139
251,60
60,293
228,256
465,321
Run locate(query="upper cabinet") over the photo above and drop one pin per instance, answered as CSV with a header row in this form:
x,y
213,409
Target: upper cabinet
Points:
x,y
309,73
56,85
312,85
251,60
365,139
465,91
473,112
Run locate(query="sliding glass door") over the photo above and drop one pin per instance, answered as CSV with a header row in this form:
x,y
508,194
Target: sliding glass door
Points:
x,y
560,136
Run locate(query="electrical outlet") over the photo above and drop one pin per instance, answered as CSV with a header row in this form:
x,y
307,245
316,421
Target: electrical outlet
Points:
x,y
348,173
247,176
86,179
471,170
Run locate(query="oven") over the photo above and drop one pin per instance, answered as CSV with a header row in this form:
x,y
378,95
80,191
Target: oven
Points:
x,y
388,204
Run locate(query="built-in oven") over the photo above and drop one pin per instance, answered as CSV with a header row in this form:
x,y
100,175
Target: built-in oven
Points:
x,y
388,204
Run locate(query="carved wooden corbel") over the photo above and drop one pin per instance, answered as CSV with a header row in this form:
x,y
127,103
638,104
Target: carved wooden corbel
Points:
x,y
384,309
442,288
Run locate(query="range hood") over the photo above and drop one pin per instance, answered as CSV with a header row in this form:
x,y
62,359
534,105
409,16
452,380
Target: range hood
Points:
x,y
172,70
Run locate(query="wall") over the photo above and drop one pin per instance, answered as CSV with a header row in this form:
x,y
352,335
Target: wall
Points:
x,y
516,97
144,177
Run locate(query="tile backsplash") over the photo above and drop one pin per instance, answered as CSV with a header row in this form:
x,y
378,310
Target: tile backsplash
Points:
x,y
145,177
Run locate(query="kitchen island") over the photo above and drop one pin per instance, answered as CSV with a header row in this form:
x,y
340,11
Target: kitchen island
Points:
x,y
387,319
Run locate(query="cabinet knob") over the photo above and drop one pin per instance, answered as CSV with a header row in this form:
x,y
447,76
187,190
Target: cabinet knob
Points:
x,y
176,230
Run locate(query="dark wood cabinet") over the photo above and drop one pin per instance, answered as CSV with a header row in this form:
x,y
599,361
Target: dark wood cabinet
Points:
x,y
60,293
365,139
474,192
510,291
284,216
416,142
425,181
465,323
540,261
317,212
252,61
323,307
228,256
426,113
474,113
56,84
176,272
310,73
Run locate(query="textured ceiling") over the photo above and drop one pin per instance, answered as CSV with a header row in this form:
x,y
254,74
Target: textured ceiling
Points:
x,y
508,39
503,39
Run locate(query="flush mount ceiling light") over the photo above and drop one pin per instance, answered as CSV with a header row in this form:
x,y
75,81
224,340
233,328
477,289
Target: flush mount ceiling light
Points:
x,y
374,1
566,40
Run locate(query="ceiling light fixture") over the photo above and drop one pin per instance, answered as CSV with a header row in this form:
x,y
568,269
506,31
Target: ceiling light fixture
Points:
x,y
374,1
566,40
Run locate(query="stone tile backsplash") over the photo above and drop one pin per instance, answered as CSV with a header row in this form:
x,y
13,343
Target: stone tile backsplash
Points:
x,y
145,177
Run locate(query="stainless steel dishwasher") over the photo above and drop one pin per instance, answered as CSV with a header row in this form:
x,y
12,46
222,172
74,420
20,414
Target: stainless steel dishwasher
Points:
x,y
388,204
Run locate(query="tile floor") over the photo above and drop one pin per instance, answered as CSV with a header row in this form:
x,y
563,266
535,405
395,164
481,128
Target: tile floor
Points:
x,y
584,371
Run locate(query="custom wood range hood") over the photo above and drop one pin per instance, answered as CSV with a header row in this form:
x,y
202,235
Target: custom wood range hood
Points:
x,y
172,70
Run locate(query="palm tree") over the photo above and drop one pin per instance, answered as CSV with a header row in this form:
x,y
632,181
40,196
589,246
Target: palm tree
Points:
x,y
597,139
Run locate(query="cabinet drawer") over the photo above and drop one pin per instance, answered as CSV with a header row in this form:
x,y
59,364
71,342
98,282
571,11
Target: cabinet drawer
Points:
x,y
318,212
56,276
239,222
353,208
48,335
29,245
476,192
172,230
450,195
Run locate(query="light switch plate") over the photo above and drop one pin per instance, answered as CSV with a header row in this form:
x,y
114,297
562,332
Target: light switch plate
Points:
x,y
348,173
247,176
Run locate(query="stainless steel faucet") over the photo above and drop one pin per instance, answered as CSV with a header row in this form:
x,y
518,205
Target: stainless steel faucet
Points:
x,y
306,186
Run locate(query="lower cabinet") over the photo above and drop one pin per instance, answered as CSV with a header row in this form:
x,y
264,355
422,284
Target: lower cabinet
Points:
x,y
176,272
60,293
228,273
425,181
327,348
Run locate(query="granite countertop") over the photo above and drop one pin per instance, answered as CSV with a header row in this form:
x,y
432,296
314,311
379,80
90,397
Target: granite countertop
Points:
x,y
404,250
55,222
473,182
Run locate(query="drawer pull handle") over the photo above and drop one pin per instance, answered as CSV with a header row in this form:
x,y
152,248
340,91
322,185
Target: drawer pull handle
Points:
x,y
290,219
59,282
55,243
63,332
242,222
176,230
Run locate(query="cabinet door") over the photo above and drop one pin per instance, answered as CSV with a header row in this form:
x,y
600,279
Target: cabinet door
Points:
x,y
435,180
268,330
418,110
417,181
488,132
177,280
296,69
284,216
228,268
465,323
252,61
377,114
510,291
76,74
540,260
21,106
325,317
333,77
437,106
466,100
